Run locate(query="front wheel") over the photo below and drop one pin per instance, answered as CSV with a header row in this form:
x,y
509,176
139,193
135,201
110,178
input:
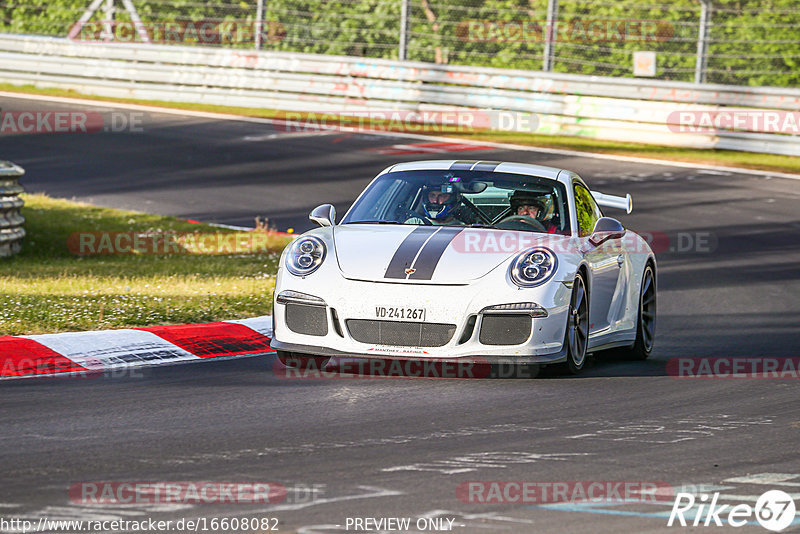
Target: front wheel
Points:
x,y
302,361
576,337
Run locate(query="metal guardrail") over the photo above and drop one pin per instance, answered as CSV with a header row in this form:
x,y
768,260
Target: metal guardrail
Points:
x,y
618,109
11,220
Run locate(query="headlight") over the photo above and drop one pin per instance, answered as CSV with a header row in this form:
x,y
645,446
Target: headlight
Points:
x,y
533,267
531,308
305,256
296,297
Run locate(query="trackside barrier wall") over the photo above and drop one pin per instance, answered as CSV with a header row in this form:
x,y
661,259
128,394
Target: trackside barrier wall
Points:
x,y
619,109
11,220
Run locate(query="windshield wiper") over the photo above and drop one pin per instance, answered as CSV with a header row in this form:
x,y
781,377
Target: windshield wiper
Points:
x,y
479,225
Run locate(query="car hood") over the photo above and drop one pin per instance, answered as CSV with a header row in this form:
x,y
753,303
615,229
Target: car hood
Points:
x,y
428,254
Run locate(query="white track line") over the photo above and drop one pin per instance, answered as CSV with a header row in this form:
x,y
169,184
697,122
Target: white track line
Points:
x,y
504,146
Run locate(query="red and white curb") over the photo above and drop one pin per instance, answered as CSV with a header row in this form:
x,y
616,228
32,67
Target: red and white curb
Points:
x,y
100,351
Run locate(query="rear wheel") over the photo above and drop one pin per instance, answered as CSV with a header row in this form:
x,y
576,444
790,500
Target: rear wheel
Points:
x,y
646,319
576,338
302,361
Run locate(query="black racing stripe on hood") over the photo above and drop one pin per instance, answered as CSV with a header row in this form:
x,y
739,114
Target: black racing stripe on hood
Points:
x,y
462,165
432,252
407,251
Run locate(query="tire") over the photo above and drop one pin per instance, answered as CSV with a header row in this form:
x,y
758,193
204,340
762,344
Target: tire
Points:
x,y
302,361
576,337
645,318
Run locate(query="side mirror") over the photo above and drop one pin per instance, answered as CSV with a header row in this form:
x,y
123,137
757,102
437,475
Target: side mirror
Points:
x,y
604,229
324,215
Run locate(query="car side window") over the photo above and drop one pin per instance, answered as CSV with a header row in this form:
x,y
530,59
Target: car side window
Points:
x,y
586,209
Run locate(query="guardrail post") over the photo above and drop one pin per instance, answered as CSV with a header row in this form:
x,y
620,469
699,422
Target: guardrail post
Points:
x,y
11,220
702,42
259,23
405,10
550,33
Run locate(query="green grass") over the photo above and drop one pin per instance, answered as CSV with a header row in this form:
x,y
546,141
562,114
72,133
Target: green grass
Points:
x,y
733,158
46,288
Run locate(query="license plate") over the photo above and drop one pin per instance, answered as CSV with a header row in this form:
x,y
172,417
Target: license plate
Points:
x,y
401,313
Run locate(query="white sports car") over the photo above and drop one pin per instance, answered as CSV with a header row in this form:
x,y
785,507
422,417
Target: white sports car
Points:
x,y
499,262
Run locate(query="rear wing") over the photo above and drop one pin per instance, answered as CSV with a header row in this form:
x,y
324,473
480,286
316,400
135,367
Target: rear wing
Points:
x,y
612,201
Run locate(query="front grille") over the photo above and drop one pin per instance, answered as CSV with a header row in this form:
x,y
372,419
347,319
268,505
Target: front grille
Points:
x,y
402,334
505,329
309,320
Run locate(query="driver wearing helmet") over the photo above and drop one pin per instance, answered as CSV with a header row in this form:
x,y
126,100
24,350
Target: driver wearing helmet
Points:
x,y
529,204
439,204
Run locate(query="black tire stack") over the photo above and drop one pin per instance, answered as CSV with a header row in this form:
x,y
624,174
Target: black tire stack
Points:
x,y
12,222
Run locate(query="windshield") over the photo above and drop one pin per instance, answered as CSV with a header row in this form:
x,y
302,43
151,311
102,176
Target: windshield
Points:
x,y
464,198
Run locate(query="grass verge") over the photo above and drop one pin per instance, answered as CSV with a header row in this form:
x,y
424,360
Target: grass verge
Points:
x,y
732,158
46,288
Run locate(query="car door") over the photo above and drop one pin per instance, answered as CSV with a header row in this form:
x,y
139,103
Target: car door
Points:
x,y
605,261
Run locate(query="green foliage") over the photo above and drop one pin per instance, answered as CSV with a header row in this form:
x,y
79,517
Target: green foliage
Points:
x,y
585,211
751,41
40,17
755,43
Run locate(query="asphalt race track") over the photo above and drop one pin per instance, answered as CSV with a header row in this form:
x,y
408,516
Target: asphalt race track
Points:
x,y
729,286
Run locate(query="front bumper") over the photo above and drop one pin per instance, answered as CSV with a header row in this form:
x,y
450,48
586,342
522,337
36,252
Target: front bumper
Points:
x,y
462,306
555,357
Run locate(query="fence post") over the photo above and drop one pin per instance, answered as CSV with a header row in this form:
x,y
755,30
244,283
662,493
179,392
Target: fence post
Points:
x,y
108,29
405,10
11,220
259,23
702,42
550,34
108,26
